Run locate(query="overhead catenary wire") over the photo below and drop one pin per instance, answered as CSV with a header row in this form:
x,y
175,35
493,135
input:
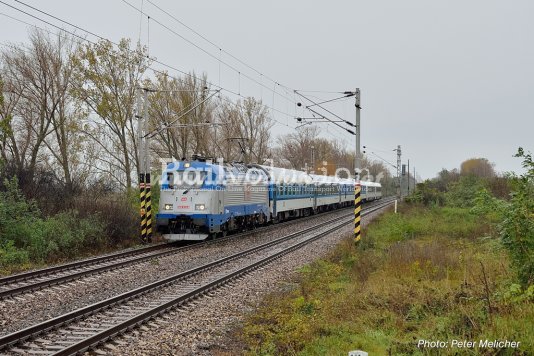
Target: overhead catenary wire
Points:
x,y
237,94
83,39
328,111
116,44
200,48
158,130
217,46
320,115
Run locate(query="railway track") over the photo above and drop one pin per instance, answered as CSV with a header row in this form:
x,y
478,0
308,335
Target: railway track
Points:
x,y
87,327
44,278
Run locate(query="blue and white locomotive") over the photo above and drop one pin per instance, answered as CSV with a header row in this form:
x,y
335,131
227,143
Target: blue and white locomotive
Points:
x,y
201,199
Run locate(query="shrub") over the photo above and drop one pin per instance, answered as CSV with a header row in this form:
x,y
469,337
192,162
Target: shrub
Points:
x,y
517,227
11,255
464,192
427,194
27,236
63,236
116,212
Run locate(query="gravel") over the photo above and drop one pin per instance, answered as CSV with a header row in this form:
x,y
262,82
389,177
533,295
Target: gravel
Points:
x,y
205,326
31,308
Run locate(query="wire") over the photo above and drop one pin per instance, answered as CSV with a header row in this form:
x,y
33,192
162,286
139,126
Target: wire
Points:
x,y
131,51
330,100
198,47
321,91
281,123
158,130
141,22
215,45
328,111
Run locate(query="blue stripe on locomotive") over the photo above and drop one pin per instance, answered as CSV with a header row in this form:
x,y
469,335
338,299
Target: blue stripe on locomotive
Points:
x,y
214,220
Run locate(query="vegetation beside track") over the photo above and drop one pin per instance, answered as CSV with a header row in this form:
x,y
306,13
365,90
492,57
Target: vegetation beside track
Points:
x,y
444,269
30,239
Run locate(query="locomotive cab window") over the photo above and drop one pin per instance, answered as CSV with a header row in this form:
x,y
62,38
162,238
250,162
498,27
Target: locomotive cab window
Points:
x,y
190,179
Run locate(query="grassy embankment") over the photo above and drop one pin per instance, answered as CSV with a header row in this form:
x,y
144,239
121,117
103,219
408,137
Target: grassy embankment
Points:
x,y
426,273
95,224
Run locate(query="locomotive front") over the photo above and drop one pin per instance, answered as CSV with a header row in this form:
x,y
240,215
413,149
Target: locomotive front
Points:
x,y
190,206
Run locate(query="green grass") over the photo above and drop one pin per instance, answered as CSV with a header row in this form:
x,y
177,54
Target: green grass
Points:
x,y
417,275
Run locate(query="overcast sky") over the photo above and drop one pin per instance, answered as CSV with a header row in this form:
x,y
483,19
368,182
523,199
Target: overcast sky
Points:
x,y
447,80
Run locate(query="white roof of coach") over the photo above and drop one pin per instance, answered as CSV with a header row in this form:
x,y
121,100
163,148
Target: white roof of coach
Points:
x,y
289,176
292,176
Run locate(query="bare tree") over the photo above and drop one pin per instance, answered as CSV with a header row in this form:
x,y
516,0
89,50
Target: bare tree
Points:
x,y
36,81
177,106
245,129
106,81
66,139
296,148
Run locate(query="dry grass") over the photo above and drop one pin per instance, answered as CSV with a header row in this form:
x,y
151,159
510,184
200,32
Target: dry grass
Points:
x,y
414,278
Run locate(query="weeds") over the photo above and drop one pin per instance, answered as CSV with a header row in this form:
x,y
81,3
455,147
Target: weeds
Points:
x,y
28,238
414,277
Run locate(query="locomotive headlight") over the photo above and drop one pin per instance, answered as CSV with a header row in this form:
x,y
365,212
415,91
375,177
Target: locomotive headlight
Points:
x,y
168,206
200,207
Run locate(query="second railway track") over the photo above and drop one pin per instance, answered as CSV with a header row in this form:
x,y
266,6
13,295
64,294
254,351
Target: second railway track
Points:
x,y
40,279
85,328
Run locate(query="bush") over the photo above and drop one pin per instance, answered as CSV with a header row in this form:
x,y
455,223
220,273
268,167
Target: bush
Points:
x,y
464,192
10,255
26,236
427,194
63,236
116,212
517,227
417,283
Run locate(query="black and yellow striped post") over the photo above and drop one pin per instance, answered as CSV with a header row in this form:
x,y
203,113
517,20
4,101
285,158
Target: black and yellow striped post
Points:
x,y
142,210
357,211
148,203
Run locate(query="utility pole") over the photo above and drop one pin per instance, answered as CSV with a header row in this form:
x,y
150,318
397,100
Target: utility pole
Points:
x,y
357,167
398,149
408,177
414,180
312,165
144,168
357,170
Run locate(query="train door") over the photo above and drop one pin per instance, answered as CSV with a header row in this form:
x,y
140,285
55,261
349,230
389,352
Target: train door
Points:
x,y
314,192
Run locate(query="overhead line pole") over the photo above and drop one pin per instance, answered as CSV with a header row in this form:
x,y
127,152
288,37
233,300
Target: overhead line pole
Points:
x,y
357,168
408,173
144,174
398,149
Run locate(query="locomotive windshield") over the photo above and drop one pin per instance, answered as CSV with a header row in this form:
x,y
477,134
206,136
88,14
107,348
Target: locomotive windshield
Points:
x,y
186,179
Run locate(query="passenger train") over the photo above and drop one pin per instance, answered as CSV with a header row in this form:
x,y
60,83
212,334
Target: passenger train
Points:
x,y
201,199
